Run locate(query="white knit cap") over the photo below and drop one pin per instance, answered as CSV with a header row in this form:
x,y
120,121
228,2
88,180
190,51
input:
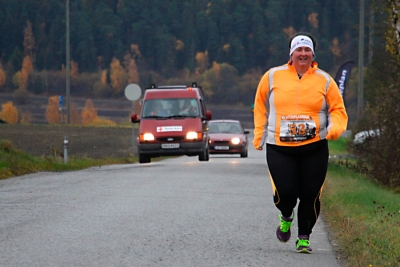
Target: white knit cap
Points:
x,y
299,41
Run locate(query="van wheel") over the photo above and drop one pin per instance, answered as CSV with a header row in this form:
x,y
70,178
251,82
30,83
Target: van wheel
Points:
x,y
144,159
205,155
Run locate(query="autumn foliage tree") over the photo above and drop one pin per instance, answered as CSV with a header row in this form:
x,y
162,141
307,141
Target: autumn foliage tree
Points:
x,y
3,76
130,64
103,77
74,70
29,40
201,62
89,113
101,88
117,76
90,117
52,110
9,113
27,68
21,77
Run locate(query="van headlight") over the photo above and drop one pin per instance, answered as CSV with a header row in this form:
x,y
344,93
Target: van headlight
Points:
x,y
147,137
192,136
235,140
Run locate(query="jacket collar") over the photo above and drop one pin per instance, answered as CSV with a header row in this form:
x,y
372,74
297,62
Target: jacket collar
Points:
x,y
312,69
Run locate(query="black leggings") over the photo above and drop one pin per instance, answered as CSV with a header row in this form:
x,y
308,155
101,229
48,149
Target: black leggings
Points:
x,y
299,173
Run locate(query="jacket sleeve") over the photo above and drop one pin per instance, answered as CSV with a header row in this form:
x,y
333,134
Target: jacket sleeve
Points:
x,y
260,110
337,113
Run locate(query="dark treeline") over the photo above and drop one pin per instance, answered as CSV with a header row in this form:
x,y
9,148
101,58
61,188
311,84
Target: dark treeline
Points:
x,y
245,34
224,45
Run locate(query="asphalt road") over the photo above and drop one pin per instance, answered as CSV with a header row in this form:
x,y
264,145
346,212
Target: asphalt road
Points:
x,y
178,212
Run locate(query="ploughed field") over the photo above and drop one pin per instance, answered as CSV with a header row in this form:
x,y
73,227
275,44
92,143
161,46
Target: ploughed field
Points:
x,y
40,138
92,142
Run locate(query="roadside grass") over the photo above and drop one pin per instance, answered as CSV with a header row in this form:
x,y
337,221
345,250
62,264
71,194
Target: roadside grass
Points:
x,y
14,162
338,147
364,217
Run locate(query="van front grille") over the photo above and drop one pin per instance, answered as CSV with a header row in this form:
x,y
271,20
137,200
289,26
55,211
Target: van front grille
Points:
x,y
171,139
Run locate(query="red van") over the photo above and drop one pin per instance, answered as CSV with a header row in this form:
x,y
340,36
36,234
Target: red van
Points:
x,y
173,122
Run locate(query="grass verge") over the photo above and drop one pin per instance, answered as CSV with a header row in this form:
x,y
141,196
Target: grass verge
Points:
x,y
14,162
364,218
338,147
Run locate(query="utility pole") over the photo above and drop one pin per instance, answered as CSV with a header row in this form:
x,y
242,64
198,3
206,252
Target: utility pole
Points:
x,y
396,22
67,63
361,60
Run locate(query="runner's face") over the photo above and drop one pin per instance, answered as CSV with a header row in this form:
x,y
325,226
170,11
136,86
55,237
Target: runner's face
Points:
x,y
302,57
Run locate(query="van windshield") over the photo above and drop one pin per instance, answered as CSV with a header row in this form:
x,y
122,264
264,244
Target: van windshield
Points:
x,y
171,107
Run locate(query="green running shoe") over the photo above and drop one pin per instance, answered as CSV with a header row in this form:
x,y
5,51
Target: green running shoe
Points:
x,y
303,245
283,231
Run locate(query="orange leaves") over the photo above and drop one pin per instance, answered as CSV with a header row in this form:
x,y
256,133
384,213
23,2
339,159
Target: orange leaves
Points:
x,y
29,39
87,116
179,45
289,31
135,50
52,112
74,70
89,113
103,77
201,62
90,117
27,68
3,76
117,76
313,20
216,68
131,69
20,78
9,113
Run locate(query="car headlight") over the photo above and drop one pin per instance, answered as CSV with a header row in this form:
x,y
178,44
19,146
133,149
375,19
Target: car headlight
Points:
x,y
235,140
147,137
193,136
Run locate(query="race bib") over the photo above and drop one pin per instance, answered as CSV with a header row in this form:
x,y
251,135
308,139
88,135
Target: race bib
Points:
x,y
297,128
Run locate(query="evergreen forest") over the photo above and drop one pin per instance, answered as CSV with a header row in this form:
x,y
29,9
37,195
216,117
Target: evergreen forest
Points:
x,y
224,45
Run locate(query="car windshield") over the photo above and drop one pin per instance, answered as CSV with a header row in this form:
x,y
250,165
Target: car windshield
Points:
x,y
225,127
169,108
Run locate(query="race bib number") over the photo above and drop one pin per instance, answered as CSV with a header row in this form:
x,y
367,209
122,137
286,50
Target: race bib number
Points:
x,y
297,128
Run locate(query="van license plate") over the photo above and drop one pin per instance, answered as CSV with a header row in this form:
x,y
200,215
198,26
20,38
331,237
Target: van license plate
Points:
x,y
169,146
222,148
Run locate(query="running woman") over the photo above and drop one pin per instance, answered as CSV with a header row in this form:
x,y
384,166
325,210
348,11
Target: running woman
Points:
x,y
297,108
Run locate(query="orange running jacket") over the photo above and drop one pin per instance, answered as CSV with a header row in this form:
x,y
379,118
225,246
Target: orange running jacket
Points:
x,y
289,111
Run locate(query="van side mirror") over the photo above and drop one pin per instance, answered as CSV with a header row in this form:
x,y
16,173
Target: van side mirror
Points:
x,y
135,118
208,115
